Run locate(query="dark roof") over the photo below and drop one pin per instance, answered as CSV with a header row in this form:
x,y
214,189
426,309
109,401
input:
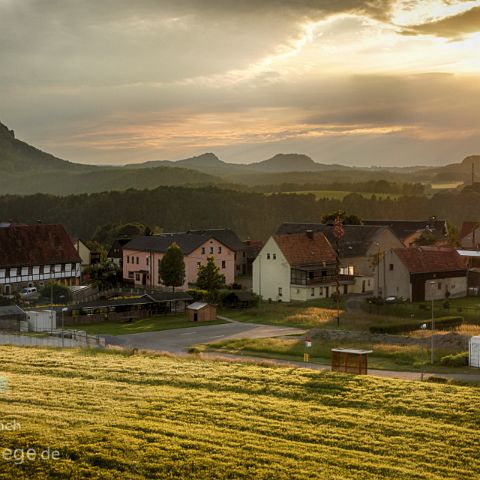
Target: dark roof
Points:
x,y
224,235
35,245
404,228
252,248
10,310
468,228
431,259
301,249
116,250
146,299
355,243
187,242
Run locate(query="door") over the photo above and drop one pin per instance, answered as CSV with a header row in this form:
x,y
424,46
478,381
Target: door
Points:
x,y
327,290
363,286
195,317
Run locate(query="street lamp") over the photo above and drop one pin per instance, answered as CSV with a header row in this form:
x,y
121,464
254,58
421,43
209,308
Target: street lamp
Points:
x,y
423,327
432,283
64,309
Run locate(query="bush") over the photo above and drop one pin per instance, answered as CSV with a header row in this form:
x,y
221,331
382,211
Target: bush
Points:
x,y
437,380
441,322
446,304
455,360
197,294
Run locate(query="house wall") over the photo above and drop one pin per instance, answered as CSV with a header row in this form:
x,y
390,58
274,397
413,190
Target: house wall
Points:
x,y
205,314
83,252
456,286
135,260
271,274
304,293
393,282
14,279
472,240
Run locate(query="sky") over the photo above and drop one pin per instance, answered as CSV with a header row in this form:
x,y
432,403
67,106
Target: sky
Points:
x,y
356,82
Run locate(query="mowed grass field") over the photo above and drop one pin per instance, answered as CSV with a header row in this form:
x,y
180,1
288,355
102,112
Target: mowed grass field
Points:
x,y
116,416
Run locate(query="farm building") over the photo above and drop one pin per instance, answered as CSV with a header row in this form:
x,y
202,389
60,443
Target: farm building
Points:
x,y
201,312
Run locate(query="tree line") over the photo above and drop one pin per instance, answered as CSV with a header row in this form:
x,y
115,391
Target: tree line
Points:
x,y
251,215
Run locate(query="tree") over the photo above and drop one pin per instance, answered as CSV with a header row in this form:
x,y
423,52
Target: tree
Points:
x,y
57,292
425,239
350,219
104,275
209,278
172,267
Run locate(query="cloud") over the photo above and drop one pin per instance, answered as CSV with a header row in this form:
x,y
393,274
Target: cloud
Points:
x,y
453,27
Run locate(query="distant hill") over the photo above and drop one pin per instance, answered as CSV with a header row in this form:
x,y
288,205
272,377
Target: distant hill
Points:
x,y
291,162
18,157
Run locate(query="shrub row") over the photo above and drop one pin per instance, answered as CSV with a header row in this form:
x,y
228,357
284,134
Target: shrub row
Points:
x,y
455,360
440,323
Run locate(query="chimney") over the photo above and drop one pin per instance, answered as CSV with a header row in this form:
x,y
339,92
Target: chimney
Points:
x,y
309,234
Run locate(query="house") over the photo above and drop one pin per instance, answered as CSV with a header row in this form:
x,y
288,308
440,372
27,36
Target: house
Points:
x,y
115,254
470,235
359,248
201,312
11,318
252,249
229,238
83,251
31,255
299,266
409,231
142,256
422,273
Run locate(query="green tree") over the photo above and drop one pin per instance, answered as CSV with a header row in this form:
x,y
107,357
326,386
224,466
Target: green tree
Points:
x,y
172,267
104,275
347,219
209,278
57,292
425,239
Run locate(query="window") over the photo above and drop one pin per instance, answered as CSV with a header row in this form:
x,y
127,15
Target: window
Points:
x,y
211,250
219,249
391,267
279,291
148,261
128,259
439,285
274,256
312,292
62,267
268,256
320,291
137,277
137,260
74,266
130,275
7,272
223,264
324,273
203,250
40,270
310,275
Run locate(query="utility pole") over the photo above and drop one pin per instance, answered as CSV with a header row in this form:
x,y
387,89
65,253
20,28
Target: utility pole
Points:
x,y
338,233
432,283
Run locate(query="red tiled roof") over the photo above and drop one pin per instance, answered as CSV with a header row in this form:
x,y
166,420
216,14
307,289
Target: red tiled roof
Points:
x,y
300,249
35,245
431,259
467,228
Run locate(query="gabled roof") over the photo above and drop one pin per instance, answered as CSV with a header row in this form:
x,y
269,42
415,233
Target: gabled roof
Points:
x,y
431,259
468,228
301,249
35,245
9,310
355,243
187,242
405,228
197,306
116,248
224,235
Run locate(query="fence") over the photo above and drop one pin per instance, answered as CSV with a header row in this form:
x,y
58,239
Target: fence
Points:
x,y
71,339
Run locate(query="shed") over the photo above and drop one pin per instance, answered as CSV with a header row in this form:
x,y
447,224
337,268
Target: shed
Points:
x,y
41,321
474,352
350,360
201,311
12,317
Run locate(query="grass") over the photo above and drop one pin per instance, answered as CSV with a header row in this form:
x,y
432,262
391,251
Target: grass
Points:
x,y
384,356
137,417
152,324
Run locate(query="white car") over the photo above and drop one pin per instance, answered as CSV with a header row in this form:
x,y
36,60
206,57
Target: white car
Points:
x,y
391,299
27,291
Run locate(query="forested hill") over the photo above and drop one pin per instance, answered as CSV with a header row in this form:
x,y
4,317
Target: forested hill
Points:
x,y
252,215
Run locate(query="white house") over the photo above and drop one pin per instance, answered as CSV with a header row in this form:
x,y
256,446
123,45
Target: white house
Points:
x,y
422,273
33,254
299,266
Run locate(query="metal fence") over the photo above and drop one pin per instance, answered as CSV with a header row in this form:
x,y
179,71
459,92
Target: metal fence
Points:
x,y
69,339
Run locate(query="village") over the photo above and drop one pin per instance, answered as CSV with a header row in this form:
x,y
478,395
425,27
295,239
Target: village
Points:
x,y
395,292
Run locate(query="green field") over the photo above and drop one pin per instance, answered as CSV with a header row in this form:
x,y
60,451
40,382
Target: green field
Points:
x,y
115,416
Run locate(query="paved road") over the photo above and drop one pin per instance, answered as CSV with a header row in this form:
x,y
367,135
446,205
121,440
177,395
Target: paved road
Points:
x,y
180,339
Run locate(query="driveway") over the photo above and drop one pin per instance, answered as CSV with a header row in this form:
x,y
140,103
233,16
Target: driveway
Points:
x,y
179,340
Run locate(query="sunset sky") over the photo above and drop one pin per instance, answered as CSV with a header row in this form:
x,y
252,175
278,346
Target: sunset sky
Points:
x,y
394,82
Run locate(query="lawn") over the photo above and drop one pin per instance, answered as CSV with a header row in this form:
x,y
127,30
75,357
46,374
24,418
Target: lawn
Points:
x,y
152,324
384,356
114,416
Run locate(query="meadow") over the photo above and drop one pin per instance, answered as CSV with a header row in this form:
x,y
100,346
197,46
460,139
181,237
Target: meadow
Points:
x,y
113,415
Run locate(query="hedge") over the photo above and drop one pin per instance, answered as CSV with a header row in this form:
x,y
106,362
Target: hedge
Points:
x,y
441,322
455,360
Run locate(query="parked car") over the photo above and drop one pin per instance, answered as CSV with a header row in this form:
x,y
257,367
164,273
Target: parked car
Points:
x,y
27,291
391,299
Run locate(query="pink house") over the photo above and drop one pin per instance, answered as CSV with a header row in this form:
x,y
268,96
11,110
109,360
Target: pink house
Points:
x,y
142,255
